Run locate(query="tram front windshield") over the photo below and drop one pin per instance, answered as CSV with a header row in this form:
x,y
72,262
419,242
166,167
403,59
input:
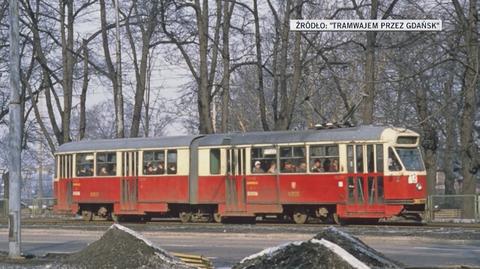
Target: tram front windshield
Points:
x,y
411,158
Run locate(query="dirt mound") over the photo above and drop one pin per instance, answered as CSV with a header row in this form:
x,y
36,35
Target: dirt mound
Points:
x,y
330,248
121,247
357,248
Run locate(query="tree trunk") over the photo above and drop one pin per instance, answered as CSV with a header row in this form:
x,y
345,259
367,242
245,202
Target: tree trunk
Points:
x,y
83,95
112,75
369,88
141,72
227,12
450,139
282,121
429,140
68,62
468,151
203,99
258,47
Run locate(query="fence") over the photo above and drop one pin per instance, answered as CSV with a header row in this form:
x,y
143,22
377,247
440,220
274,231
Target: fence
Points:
x,y
453,208
30,207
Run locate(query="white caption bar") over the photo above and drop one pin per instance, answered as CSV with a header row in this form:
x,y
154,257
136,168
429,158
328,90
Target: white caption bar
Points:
x,y
365,25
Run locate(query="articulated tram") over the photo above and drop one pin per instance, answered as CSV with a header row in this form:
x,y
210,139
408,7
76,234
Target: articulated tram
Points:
x,y
342,174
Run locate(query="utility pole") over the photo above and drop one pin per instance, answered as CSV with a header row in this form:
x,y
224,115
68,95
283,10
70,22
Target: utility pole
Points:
x,y
15,138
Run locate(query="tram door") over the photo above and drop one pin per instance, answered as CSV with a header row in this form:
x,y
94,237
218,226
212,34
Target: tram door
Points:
x,y
235,197
129,181
365,180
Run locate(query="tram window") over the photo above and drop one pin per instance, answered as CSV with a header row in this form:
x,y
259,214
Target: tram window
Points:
x,y
351,190
68,166
60,167
154,162
215,161
380,189
171,162
379,149
324,158
264,160
393,163
359,155
370,159
350,166
84,163
360,194
292,160
107,164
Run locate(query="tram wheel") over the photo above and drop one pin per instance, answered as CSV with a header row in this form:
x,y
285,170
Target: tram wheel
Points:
x,y
300,217
185,217
217,218
87,215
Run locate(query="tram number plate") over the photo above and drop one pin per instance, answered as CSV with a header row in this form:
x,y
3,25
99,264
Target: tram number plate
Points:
x,y
293,194
94,194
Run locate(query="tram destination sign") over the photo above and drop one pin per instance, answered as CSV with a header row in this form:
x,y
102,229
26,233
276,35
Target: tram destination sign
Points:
x,y
365,25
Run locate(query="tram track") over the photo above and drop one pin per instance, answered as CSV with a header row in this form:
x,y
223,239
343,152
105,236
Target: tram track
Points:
x,y
165,223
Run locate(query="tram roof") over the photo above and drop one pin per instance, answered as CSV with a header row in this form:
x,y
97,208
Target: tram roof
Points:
x,y
127,143
360,133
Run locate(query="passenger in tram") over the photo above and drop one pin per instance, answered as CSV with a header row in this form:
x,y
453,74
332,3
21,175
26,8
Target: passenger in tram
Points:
x,y
302,167
273,168
326,165
288,167
149,169
160,169
103,171
258,168
317,166
113,170
89,172
334,166
172,169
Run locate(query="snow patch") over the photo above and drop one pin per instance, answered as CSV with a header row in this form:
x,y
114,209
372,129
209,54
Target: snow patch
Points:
x,y
270,251
342,253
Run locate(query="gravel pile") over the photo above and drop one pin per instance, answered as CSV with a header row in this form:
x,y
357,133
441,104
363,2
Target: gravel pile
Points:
x,y
121,247
330,248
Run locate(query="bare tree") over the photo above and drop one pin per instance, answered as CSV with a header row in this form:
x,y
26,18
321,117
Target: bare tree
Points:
x,y
469,25
227,14
112,75
147,28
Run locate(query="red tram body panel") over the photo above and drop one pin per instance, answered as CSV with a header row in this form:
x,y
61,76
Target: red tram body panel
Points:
x,y
366,172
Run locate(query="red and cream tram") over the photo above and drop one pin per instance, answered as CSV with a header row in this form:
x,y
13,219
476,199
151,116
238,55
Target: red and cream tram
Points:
x,y
365,172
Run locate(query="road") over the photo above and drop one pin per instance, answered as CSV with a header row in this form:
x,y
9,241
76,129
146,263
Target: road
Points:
x,y
224,249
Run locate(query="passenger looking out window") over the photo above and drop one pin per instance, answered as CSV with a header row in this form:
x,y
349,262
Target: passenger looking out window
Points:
x,y
302,168
292,159
324,158
273,168
172,162
258,168
84,164
154,162
264,159
317,166
107,164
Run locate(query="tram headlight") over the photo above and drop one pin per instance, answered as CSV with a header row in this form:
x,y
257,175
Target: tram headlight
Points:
x,y
419,186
